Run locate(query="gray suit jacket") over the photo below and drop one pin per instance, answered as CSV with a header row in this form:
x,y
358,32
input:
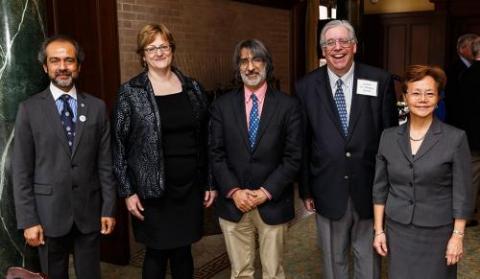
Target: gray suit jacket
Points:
x,y
53,186
431,188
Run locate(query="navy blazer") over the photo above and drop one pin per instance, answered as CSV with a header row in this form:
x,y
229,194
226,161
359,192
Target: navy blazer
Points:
x,y
274,162
431,188
336,167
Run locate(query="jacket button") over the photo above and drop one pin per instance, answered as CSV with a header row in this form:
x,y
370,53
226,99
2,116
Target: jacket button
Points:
x,y
410,183
346,177
411,165
75,186
348,154
410,202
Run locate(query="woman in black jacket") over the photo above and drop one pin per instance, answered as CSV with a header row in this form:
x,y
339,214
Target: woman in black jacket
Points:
x,y
160,160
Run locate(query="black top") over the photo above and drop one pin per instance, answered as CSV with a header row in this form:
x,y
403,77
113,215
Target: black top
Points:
x,y
179,144
178,124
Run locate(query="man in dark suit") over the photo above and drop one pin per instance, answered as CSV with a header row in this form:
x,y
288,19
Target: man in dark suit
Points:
x,y
255,152
62,167
346,106
454,72
469,90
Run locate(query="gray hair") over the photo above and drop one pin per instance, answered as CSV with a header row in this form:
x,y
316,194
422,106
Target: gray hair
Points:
x,y
476,48
465,39
259,50
42,53
336,23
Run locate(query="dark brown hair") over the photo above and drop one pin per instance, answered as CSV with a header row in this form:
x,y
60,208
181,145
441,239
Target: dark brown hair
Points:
x,y
147,35
418,72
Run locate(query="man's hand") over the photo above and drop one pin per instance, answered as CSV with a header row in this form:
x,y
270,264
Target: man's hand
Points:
x,y
209,198
134,206
34,235
108,224
309,204
244,200
259,197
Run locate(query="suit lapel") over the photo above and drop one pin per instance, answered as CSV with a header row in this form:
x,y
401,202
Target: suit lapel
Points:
x,y
240,116
52,115
357,103
404,142
82,118
268,109
431,138
324,92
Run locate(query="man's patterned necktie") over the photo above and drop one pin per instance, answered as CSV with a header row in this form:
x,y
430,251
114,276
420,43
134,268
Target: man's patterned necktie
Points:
x,y
66,116
341,106
254,121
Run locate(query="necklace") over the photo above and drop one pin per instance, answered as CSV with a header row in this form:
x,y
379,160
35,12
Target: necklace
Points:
x,y
419,139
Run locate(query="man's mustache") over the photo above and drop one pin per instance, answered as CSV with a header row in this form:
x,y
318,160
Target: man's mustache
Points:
x,y
63,73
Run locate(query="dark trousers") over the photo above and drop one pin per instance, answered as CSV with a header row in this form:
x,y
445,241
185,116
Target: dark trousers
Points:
x,y
181,263
54,255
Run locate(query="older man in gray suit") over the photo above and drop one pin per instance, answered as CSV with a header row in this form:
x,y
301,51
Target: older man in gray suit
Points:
x,y
62,168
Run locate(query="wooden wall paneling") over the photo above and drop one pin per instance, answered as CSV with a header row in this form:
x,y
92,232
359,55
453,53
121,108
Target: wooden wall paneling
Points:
x,y
420,43
396,46
408,38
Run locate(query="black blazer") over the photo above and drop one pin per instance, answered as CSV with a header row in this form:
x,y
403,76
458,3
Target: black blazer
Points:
x,y
470,105
453,96
52,186
430,188
334,167
274,162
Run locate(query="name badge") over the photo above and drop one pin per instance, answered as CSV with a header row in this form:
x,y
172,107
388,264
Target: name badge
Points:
x,y
367,87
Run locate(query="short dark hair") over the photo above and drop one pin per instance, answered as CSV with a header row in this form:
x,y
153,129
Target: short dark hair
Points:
x,y
259,50
418,72
42,54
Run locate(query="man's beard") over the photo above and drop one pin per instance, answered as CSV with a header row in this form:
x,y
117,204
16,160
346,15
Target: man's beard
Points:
x,y
63,83
260,78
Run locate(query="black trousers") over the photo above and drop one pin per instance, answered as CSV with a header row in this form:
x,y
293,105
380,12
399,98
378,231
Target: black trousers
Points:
x,y
181,263
54,255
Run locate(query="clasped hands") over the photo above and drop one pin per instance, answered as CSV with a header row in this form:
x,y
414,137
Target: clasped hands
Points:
x,y
246,200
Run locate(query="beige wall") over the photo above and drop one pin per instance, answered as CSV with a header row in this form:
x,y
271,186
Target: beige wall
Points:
x,y
206,32
397,6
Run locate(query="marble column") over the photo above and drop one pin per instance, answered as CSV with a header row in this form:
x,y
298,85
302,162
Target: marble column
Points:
x,y
22,29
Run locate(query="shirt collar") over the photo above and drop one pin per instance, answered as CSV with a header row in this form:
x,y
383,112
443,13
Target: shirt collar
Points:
x,y
346,78
259,93
465,61
57,92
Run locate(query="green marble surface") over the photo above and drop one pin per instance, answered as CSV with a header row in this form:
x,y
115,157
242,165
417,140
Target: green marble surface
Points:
x,y
22,29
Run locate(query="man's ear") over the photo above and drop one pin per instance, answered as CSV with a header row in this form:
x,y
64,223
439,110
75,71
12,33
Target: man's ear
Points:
x,y
45,68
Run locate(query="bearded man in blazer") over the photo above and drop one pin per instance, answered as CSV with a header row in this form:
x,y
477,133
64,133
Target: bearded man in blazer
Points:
x,y
64,190
346,106
255,153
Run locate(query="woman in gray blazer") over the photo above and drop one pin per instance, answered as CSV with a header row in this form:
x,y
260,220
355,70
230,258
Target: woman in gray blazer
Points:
x,y
422,192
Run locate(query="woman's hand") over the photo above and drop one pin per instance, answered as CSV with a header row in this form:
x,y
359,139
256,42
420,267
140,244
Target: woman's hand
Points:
x,y
134,206
209,198
380,243
454,249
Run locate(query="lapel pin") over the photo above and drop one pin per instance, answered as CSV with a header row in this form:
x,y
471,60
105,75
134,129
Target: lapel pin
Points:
x,y
82,118
82,105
